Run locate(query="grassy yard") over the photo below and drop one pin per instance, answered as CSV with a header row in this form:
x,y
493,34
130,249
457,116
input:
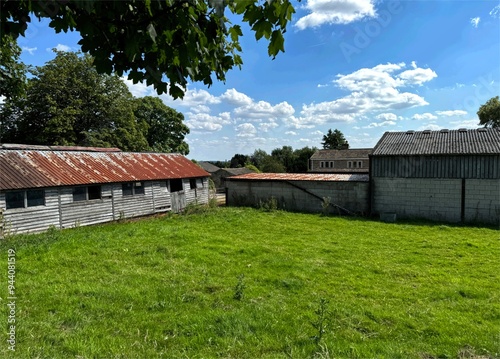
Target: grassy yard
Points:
x,y
243,283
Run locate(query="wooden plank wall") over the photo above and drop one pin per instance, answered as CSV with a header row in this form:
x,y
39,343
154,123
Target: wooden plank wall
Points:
x,y
60,210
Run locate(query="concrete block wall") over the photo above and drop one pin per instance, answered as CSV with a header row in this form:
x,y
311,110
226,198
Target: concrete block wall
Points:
x,y
429,198
352,196
482,200
438,199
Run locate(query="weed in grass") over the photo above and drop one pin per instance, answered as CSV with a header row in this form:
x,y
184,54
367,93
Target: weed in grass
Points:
x,y
239,288
320,323
325,205
269,206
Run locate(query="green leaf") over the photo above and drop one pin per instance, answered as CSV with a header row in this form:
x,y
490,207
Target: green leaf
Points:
x,y
262,28
152,32
276,44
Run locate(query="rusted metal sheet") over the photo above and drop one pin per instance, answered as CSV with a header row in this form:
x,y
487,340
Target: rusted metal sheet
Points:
x,y
29,168
443,142
300,177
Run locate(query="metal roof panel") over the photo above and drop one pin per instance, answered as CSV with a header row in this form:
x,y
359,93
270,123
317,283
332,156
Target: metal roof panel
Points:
x,y
50,168
452,142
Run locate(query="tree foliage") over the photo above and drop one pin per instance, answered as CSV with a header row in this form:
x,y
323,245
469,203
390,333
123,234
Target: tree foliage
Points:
x,y
238,160
68,103
149,40
163,126
12,70
489,113
334,140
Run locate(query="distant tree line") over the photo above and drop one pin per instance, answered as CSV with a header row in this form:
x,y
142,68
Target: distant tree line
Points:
x,y
67,102
280,160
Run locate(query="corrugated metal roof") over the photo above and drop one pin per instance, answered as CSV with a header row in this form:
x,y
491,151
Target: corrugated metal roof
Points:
x,y
443,142
357,153
300,177
49,168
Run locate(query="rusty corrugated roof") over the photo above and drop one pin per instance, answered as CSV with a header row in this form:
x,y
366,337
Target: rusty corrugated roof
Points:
x,y
51,168
443,142
300,177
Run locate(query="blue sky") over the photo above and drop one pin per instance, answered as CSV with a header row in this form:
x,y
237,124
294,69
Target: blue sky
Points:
x,y
361,66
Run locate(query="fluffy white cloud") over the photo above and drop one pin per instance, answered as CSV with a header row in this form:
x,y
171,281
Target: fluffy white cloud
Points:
x,y
475,21
291,133
380,124
236,98
60,47
451,113
199,97
335,12
139,89
417,76
424,116
265,127
246,130
387,117
30,50
264,110
371,89
206,122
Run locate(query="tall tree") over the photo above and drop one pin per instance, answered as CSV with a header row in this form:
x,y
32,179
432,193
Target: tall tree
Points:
x,y
180,39
334,140
12,70
164,128
489,113
68,103
239,160
272,165
258,157
285,156
301,159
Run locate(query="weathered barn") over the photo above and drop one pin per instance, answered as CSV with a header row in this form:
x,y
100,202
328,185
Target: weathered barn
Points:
x,y
355,160
301,192
58,186
447,175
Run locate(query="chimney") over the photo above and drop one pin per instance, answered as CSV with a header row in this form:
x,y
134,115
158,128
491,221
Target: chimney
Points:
x,y
345,146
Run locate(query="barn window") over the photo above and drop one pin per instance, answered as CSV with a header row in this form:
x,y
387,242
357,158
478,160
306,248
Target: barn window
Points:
x,y
176,185
360,164
139,188
23,199
349,164
331,164
94,192
322,164
195,183
127,189
132,188
14,199
35,197
86,193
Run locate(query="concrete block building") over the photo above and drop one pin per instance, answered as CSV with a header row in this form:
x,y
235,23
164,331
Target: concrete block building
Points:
x,y
446,175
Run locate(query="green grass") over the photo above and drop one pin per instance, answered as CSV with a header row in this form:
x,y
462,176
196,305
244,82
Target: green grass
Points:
x,y
243,283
